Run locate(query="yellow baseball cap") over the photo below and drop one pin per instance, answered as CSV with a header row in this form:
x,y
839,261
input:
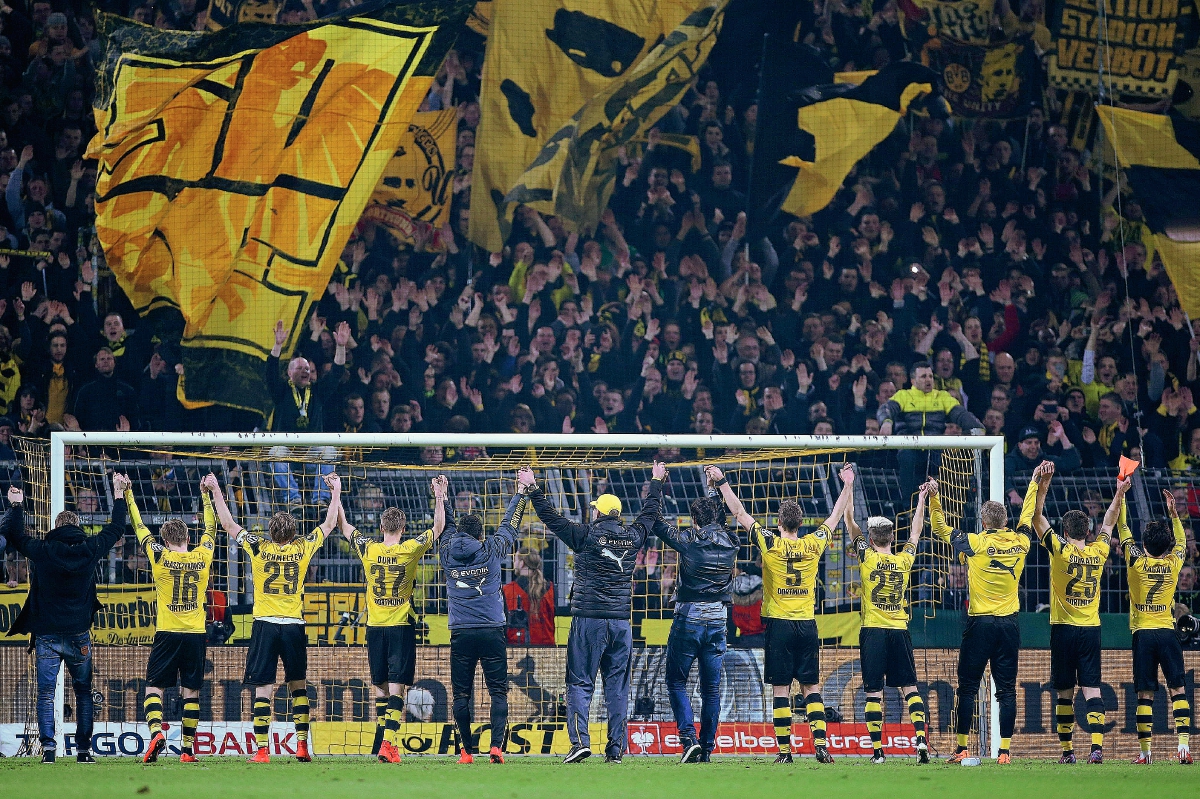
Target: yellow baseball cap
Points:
x,y
606,504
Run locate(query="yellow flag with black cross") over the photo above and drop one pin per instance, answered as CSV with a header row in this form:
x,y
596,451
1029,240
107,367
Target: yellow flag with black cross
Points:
x,y
575,173
1160,157
234,165
844,122
546,59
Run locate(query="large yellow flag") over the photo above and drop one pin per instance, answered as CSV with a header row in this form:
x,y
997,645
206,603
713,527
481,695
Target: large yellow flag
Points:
x,y
1160,158
545,60
234,165
578,166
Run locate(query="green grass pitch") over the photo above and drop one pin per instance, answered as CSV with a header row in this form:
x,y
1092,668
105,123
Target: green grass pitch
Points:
x,y
533,778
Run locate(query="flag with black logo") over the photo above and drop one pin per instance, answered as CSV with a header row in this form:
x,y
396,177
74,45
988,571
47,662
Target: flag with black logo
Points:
x,y
480,19
963,20
789,68
997,81
575,173
415,190
841,123
226,13
1160,156
544,61
1135,42
234,165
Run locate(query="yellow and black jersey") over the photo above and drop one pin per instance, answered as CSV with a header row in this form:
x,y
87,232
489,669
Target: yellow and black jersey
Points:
x,y
390,571
180,578
1152,580
994,558
789,568
1075,579
279,571
884,580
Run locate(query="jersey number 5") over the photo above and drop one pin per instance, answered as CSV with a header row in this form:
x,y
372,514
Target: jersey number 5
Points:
x,y
289,573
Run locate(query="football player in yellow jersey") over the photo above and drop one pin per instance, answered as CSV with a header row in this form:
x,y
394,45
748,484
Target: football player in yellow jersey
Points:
x,y
180,636
390,568
995,559
885,647
792,647
1075,570
1153,570
279,564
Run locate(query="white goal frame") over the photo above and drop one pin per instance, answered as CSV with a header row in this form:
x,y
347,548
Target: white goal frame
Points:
x,y
993,446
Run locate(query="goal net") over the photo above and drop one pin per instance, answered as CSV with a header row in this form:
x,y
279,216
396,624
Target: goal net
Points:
x,y
265,473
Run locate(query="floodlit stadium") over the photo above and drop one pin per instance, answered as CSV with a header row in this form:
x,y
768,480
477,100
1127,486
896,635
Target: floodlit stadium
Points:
x,y
718,393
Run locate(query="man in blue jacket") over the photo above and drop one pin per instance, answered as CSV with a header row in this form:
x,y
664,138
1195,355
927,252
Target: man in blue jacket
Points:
x,y
601,637
58,612
472,567
707,555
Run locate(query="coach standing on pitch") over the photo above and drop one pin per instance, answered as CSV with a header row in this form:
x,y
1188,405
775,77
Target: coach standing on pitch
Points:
x,y
601,637
62,601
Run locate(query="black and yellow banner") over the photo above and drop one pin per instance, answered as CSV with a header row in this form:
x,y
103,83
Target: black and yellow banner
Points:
x,y
1134,42
227,13
545,61
480,19
1160,156
234,165
127,616
996,81
843,123
575,173
963,20
417,183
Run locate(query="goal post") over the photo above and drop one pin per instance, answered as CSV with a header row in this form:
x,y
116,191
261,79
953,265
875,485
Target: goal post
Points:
x,y
395,469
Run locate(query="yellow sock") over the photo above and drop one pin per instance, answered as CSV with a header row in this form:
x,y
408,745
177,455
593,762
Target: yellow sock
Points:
x,y
1183,717
300,713
395,714
783,723
1095,720
152,707
262,720
874,717
1005,744
814,706
1145,724
963,740
191,720
916,714
1064,719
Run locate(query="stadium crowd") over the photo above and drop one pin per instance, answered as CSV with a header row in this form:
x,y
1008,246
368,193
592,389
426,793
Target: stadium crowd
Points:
x,y
988,261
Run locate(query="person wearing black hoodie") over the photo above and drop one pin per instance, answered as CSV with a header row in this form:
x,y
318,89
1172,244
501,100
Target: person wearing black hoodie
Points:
x,y
473,569
62,601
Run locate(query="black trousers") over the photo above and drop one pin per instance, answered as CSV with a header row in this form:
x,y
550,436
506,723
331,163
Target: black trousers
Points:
x,y
994,641
486,646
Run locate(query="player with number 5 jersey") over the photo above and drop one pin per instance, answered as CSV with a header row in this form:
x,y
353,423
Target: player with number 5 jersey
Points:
x,y
279,564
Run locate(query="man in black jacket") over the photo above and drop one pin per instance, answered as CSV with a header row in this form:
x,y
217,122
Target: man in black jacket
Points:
x,y
300,402
707,555
601,637
58,612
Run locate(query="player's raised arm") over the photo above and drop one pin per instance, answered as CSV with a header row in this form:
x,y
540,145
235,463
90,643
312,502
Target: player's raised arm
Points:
x,y
344,525
918,518
208,487
441,489
135,516
937,519
224,516
571,533
335,502
1042,475
851,525
1176,525
1029,505
721,482
652,507
1115,515
839,508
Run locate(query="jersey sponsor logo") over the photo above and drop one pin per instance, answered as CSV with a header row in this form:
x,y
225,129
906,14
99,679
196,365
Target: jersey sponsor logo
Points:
x,y
1014,550
623,543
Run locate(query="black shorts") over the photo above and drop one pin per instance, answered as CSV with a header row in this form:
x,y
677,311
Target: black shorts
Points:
x,y
392,654
994,640
792,652
268,643
1074,656
1153,649
886,655
177,657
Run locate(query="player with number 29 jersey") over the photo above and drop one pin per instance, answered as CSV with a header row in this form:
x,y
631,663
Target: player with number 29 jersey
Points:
x,y
279,571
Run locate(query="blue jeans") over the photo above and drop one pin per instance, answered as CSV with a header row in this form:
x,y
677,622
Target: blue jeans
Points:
x,y
285,480
691,641
604,645
76,651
